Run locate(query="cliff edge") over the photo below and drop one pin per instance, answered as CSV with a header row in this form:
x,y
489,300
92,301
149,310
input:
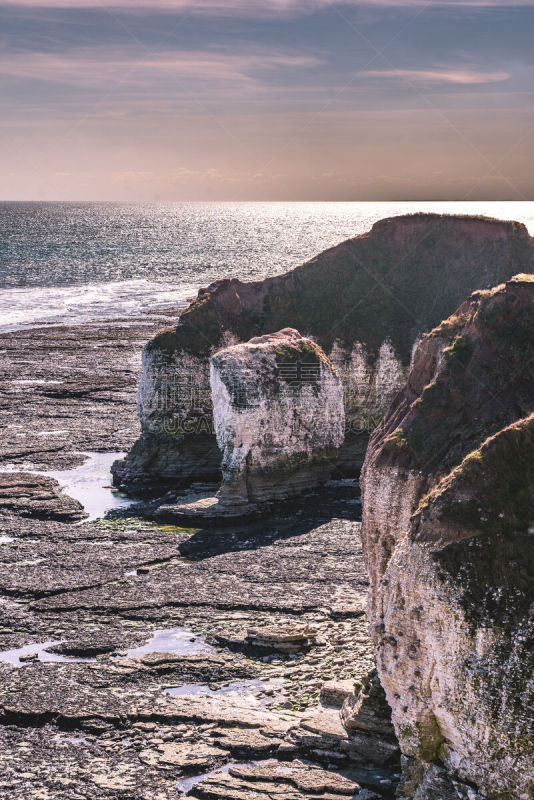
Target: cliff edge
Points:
x,y
448,533
365,302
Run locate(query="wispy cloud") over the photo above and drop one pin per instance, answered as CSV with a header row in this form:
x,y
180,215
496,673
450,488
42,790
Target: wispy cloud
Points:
x,y
255,7
226,99
459,76
91,66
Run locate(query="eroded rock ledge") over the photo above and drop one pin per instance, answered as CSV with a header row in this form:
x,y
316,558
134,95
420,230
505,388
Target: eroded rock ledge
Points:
x,y
40,496
448,522
365,302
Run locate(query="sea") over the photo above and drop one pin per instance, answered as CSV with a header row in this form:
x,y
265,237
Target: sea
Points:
x,y
79,262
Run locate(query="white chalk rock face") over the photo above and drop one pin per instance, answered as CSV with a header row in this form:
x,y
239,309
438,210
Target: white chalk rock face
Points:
x,y
354,300
448,524
279,417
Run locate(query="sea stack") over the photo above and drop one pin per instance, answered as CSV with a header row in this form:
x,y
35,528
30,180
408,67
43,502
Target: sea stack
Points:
x,y
448,534
279,417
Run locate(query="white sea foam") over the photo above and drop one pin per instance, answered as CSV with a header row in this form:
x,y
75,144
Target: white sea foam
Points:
x,y
75,305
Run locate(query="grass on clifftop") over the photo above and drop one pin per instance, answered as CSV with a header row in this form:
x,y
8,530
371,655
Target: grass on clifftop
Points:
x,y
493,487
483,383
392,283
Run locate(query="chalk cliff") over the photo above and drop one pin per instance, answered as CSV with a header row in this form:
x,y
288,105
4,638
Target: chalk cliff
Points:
x,y
365,302
279,417
448,497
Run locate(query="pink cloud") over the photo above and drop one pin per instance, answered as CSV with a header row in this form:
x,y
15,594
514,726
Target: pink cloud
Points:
x,y
89,67
254,7
458,76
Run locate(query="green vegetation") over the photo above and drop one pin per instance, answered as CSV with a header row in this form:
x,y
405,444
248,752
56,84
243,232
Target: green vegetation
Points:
x,y
481,384
495,484
136,524
459,353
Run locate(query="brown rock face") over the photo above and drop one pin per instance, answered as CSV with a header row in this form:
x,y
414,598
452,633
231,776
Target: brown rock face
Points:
x,y
448,493
367,709
365,302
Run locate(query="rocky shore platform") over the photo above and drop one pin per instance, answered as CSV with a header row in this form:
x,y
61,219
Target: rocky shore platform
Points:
x,y
147,661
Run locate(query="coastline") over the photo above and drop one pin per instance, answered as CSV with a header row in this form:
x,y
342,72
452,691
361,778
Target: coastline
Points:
x,y
93,592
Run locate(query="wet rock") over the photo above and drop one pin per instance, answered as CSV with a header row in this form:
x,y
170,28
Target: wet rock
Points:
x,y
24,657
448,519
83,648
29,495
365,314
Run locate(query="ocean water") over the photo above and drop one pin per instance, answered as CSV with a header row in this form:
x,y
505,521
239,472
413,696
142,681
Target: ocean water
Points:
x,y
71,263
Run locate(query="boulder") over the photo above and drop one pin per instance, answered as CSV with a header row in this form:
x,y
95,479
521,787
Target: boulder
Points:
x,y
365,302
279,417
334,693
448,524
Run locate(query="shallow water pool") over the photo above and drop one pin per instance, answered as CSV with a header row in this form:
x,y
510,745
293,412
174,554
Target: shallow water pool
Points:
x,y
13,656
90,483
253,690
180,641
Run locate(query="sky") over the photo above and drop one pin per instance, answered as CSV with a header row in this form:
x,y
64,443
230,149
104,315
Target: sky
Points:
x,y
266,100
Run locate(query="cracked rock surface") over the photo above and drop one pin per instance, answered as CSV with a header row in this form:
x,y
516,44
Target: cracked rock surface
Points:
x,y
126,670
33,495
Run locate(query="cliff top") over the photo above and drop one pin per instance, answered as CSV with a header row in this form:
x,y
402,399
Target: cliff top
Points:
x,y
394,282
285,345
465,418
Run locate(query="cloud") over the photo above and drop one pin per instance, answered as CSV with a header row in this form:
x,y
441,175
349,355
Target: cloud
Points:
x,y
131,176
254,7
212,174
459,76
90,66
